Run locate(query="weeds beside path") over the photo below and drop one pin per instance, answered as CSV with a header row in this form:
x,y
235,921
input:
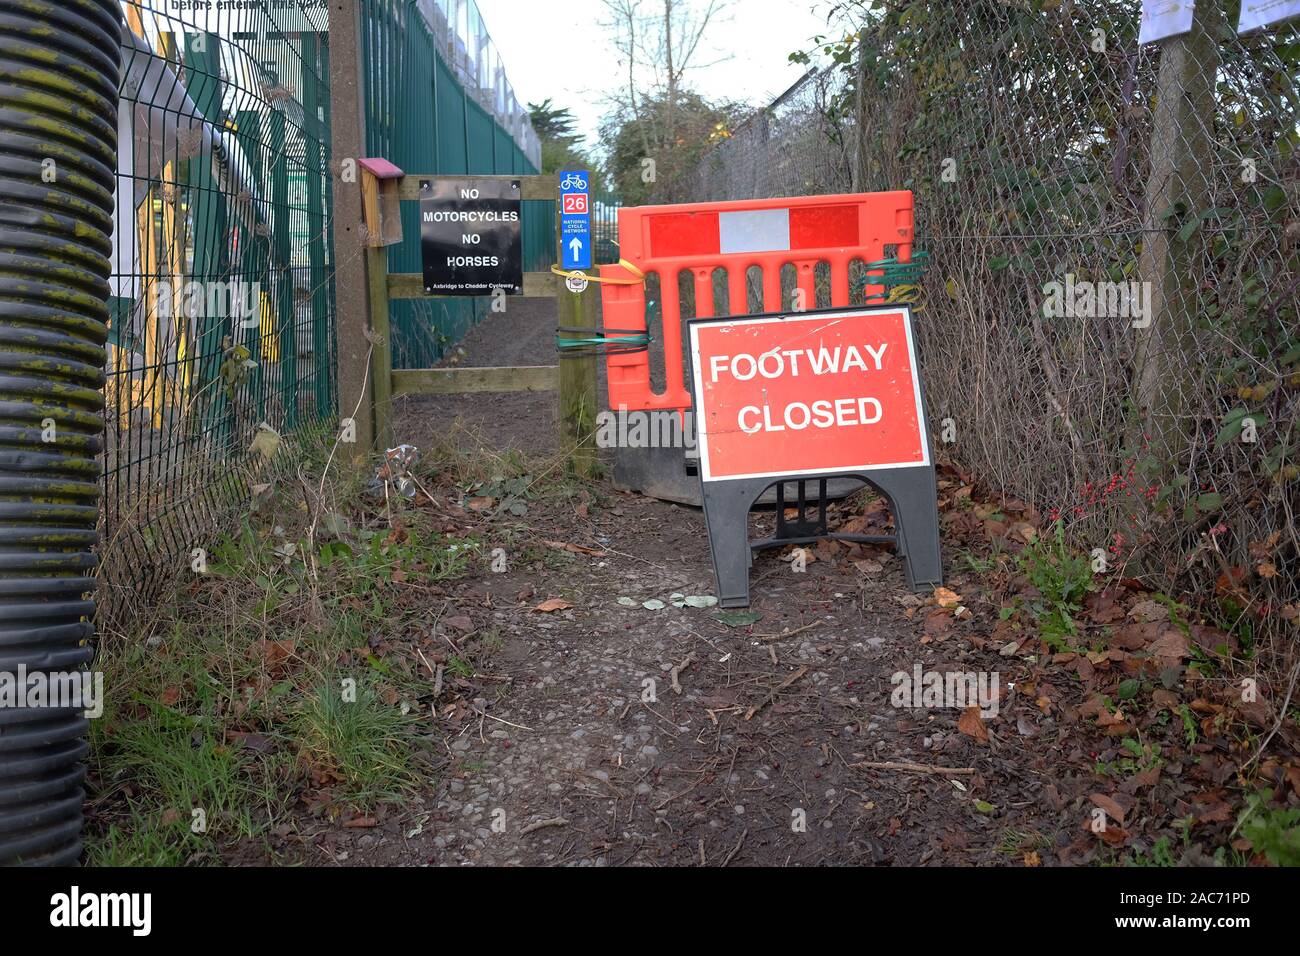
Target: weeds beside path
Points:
x,y
515,667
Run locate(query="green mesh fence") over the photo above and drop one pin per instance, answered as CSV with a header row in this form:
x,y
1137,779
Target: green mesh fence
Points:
x,y
222,307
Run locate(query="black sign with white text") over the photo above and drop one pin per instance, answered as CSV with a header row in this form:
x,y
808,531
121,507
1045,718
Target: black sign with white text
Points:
x,y
470,241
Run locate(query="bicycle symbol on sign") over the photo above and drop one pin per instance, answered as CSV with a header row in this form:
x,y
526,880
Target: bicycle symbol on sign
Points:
x,y
573,181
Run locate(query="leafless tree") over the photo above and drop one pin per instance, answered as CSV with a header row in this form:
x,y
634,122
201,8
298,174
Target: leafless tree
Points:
x,y
660,42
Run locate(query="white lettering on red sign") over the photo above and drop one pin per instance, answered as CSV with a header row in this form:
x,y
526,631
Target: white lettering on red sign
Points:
x,y
808,394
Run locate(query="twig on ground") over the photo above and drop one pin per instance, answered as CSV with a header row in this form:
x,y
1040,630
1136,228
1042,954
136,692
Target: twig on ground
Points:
x,y
681,793
501,720
679,669
782,636
543,824
749,714
736,849
911,767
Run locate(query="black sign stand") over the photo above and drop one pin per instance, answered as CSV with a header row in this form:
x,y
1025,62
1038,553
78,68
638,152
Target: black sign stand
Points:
x,y
912,498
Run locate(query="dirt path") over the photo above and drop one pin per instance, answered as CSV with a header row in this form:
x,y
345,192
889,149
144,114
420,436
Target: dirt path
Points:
x,y
591,750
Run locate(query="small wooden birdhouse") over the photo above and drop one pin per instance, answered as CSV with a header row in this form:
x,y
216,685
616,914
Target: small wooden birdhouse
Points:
x,y
380,204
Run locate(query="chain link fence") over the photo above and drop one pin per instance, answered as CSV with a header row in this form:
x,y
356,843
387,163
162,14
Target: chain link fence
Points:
x,y
1109,328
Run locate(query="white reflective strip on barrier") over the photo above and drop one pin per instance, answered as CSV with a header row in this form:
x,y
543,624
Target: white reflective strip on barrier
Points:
x,y
763,230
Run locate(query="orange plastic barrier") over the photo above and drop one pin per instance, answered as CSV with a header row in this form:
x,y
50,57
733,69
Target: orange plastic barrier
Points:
x,y
736,236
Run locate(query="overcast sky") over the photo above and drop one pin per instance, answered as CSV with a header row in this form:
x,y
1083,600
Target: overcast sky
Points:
x,y
560,49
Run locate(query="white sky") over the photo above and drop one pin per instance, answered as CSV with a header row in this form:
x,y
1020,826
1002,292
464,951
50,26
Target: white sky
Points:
x,y
560,49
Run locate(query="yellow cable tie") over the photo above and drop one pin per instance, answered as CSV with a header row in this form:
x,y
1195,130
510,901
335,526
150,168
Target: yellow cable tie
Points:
x,y
638,277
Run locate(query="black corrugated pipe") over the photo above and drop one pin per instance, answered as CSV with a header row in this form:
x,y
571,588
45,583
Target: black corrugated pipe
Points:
x,y
59,72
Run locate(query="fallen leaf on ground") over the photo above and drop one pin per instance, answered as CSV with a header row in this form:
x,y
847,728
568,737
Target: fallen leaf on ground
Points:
x,y
1023,530
1112,807
972,725
1149,611
946,598
938,623
1172,644
575,548
1164,699
554,604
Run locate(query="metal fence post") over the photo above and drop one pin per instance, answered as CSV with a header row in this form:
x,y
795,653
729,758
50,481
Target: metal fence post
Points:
x,y
282,272
211,216
253,255
315,136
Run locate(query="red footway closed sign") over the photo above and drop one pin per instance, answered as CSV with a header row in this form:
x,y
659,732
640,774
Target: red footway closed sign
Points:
x,y
807,394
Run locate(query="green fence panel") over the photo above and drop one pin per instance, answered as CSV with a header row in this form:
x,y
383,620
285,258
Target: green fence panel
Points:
x,y
235,210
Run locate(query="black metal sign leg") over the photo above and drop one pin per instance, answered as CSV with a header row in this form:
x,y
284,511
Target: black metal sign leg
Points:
x,y
912,494
726,512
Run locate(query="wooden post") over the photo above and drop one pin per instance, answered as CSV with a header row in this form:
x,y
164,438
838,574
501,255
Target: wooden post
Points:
x,y
352,307
577,412
381,357
1181,149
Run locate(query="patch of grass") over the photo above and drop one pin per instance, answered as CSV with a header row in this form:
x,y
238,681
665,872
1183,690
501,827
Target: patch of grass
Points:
x,y
976,563
1162,854
1140,758
1016,841
1190,725
1272,830
459,667
359,745
1063,578
139,843
230,700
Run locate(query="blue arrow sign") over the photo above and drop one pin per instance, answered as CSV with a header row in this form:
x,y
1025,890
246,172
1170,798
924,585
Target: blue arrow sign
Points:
x,y
575,218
